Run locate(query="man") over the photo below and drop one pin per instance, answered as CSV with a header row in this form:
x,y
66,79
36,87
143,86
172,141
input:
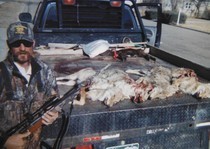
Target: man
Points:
x,y
25,84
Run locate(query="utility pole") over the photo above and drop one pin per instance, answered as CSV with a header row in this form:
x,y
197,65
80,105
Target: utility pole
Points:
x,y
180,10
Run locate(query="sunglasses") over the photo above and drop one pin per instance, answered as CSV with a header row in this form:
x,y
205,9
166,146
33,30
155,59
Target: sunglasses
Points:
x,y
17,44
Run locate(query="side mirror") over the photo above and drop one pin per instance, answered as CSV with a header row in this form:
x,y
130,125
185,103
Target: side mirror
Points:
x,y
26,17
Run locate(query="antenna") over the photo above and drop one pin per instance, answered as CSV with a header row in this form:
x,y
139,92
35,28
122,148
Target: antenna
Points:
x,y
29,2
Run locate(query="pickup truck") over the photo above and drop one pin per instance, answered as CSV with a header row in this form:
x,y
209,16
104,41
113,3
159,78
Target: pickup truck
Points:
x,y
180,121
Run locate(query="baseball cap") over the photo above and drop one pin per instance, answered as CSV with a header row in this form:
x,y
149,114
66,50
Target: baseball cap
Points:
x,y
19,31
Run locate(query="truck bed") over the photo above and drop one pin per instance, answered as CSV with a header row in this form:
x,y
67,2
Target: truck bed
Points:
x,y
152,122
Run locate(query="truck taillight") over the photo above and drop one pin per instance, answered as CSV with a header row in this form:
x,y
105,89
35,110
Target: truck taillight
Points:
x,y
69,2
115,3
84,147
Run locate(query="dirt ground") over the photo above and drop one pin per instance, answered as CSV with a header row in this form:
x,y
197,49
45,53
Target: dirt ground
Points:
x,y
197,24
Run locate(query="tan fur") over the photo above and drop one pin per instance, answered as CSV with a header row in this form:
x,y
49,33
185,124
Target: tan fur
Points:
x,y
114,85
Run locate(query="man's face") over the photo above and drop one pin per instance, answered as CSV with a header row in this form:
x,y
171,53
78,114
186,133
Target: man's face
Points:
x,y
22,51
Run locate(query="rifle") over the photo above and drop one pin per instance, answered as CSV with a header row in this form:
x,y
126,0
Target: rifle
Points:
x,y
34,120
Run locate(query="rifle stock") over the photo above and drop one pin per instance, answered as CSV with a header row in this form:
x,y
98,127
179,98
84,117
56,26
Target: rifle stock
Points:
x,y
35,121
36,126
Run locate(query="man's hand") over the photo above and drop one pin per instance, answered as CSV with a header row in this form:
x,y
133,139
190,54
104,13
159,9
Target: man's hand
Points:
x,y
49,117
17,141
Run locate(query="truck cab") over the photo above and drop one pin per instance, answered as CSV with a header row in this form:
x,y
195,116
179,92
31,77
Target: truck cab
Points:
x,y
83,21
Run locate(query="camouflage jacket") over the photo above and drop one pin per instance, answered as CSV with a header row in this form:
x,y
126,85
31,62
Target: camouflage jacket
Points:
x,y
17,98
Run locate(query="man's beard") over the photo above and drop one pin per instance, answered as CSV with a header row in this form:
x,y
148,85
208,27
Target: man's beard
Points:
x,y
22,57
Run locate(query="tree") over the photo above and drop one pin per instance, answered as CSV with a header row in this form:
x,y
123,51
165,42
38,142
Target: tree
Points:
x,y
198,4
174,4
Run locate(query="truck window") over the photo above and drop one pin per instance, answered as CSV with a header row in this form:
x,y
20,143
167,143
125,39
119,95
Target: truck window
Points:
x,y
100,15
129,21
50,19
82,17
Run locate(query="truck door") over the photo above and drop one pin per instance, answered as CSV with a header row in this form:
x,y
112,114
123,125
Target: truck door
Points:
x,y
151,17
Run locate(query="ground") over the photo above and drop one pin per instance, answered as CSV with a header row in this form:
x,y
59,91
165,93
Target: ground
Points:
x,y
197,24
